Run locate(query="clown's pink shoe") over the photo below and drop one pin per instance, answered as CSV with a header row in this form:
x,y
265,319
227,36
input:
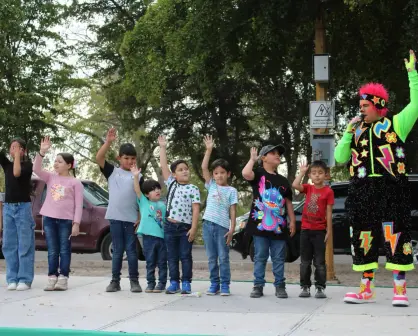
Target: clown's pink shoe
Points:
x,y
399,294
366,294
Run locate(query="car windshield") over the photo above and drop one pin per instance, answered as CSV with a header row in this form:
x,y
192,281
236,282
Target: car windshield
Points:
x,y
96,195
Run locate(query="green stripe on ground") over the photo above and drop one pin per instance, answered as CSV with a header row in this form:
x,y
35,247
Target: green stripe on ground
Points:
x,y
68,332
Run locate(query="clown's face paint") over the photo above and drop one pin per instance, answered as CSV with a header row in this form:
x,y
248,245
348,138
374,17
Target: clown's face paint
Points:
x,y
369,111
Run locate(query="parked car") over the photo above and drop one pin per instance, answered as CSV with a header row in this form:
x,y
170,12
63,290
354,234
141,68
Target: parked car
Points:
x,y
242,243
94,228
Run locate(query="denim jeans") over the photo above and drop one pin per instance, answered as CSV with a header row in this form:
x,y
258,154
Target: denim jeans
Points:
x,y
216,248
312,247
263,246
178,249
19,242
57,234
155,255
123,239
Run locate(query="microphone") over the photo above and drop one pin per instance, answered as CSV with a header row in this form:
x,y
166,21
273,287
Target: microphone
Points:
x,y
358,123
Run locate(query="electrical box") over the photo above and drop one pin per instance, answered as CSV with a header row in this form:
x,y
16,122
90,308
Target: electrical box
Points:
x,y
321,68
323,147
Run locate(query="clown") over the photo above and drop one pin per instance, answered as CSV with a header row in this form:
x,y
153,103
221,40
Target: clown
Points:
x,y
378,201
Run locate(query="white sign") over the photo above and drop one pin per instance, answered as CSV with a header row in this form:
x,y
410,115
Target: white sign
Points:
x,y
322,114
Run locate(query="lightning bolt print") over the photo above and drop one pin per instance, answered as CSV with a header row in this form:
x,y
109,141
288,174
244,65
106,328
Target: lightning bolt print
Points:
x,y
354,157
382,126
390,237
387,159
358,132
366,241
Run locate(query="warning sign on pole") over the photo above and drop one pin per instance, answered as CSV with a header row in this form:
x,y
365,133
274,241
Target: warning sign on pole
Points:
x,y
322,114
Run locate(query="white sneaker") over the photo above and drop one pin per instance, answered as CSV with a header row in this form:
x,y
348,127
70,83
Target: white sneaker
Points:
x,y
52,280
22,286
62,283
12,286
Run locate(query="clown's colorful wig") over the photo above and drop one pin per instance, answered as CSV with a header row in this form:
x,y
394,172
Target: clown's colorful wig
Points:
x,y
378,90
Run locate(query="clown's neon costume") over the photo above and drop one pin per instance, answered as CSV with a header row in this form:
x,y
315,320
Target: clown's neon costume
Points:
x,y
378,196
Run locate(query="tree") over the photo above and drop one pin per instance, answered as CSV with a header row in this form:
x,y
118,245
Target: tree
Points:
x,y
32,67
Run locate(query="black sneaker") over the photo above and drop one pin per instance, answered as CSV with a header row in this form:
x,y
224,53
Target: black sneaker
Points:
x,y
305,293
150,288
257,292
114,286
320,293
281,292
135,286
159,288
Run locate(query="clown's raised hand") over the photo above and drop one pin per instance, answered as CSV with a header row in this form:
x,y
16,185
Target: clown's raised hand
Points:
x,y
410,65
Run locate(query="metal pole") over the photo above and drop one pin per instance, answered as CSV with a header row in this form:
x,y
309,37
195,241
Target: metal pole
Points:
x,y
321,94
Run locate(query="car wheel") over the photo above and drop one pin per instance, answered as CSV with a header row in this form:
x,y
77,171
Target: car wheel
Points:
x,y
107,249
415,251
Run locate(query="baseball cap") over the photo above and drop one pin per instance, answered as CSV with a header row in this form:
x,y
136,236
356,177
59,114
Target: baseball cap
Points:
x,y
269,148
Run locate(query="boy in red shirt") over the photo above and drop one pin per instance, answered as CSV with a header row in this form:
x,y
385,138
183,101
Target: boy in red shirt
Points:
x,y
316,222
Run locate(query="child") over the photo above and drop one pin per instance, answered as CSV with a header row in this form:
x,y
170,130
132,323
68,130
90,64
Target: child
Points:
x,y
267,222
316,223
61,213
180,227
151,228
122,211
218,220
19,226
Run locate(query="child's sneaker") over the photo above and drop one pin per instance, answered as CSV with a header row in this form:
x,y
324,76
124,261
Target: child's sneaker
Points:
x,y
21,286
135,286
159,288
281,292
225,290
213,289
62,283
150,288
399,294
52,281
114,286
365,295
173,288
186,287
305,293
320,293
257,292
12,286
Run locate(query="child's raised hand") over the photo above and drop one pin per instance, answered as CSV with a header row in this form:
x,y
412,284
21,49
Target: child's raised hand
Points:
x,y
45,145
162,141
208,142
304,167
111,135
253,153
135,171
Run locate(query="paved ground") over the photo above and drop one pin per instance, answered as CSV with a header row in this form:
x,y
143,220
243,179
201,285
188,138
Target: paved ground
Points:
x,y
86,306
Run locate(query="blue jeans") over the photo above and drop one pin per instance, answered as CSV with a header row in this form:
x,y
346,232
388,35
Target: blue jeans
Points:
x,y
155,255
277,249
123,239
57,234
19,242
178,248
216,248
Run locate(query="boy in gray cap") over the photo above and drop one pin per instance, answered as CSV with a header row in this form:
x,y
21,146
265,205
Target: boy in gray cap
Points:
x,y
268,217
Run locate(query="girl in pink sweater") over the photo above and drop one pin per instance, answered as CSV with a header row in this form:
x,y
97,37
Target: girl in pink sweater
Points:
x,y
61,213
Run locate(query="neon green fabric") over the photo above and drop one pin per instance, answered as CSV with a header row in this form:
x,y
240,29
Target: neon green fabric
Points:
x,y
396,267
366,267
403,122
343,150
68,332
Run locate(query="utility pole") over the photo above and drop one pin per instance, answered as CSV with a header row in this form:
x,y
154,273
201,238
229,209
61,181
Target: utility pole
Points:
x,y
322,95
